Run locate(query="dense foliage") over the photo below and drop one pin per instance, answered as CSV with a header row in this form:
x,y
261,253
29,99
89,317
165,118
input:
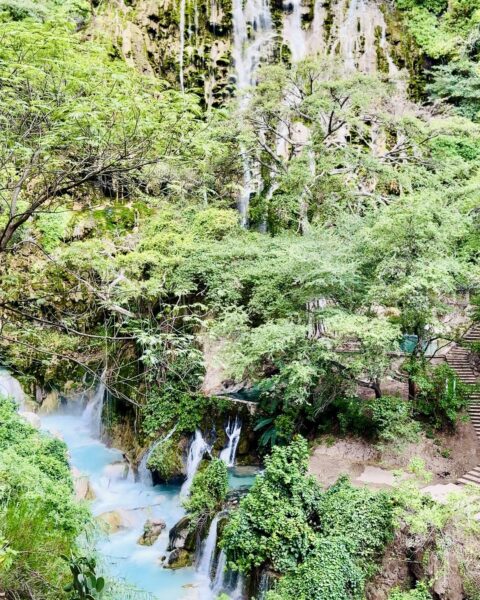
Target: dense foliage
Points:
x,y
208,493
39,518
323,542
122,253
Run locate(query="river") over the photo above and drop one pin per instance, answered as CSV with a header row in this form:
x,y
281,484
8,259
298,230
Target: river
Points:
x,y
124,558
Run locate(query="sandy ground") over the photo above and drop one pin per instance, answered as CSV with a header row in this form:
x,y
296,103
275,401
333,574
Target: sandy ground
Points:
x,y
448,457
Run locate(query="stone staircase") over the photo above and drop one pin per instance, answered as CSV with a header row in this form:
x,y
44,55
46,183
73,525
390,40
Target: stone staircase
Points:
x,y
459,359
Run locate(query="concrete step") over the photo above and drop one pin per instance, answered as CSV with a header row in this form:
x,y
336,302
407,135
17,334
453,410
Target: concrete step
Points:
x,y
472,478
464,481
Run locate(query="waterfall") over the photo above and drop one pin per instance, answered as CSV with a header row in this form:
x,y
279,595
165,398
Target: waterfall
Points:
x,y
11,388
182,43
218,584
197,449
353,36
252,34
144,473
233,431
207,557
237,593
92,415
293,33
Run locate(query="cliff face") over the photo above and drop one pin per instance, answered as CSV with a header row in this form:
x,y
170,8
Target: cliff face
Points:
x,y
198,44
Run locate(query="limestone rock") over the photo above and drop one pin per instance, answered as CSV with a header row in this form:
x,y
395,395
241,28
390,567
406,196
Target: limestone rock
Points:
x,y
117,470
151,532
114,520
82,487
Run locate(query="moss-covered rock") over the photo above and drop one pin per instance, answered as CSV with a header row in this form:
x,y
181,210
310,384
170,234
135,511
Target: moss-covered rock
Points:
x,y
166,460
178,558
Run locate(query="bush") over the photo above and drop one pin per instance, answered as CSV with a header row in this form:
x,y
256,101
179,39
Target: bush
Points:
x,y
419,593
329,573
324,544
274,522
393,420
364,519
441,396
39,518
389,419
208,492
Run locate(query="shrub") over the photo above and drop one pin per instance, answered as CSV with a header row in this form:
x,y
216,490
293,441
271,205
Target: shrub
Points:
x,y
329,573
393,420
441,396
388,418
274,522
324,544
39,518
364,519
419,593
209,490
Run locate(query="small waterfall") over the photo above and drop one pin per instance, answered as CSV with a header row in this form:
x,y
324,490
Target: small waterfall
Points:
x,y
144,473
207,557
92,415
218,585
227,581
237,592
233,431
293,33
11,388
182,44
197,449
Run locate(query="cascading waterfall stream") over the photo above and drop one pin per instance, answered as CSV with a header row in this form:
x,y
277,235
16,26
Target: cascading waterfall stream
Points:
x,y
293,33
197,449
207,557
233,430
92,414
218,584
252,33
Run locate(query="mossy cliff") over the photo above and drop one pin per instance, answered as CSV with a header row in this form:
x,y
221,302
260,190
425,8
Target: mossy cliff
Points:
x,y
189,43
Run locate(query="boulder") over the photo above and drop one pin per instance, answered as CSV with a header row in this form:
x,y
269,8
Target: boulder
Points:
x,y
31,418
151,532
82,487
181,536
178,559
114,520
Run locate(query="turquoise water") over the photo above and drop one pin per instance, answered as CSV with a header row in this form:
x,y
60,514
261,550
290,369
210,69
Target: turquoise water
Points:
x,y
135,502
138,565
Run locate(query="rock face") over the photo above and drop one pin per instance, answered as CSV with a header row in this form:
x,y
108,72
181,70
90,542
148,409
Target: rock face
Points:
x,y
192,43
151,532
50,403
412,558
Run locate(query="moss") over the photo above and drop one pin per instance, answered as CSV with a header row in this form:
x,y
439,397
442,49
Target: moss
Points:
x,y
179,559
166,460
